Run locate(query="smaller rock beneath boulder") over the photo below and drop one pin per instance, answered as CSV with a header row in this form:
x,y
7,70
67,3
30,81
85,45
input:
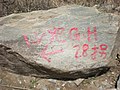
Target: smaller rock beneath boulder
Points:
x,y
78,81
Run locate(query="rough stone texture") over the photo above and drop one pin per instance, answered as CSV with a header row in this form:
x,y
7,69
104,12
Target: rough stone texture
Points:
x,y
53,43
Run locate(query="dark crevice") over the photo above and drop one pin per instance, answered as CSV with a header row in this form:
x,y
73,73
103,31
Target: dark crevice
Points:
x,y
117,81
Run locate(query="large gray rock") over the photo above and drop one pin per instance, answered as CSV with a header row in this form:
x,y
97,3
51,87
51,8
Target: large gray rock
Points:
x,y
69,38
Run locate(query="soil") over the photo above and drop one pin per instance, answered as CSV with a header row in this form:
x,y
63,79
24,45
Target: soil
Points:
x,y
107,81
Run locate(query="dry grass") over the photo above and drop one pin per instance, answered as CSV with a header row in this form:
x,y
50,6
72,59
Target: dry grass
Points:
x,y
15,6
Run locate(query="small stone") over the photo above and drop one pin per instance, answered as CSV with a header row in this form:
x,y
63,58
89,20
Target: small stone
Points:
x,y
117,9
78,81
52,80
113,73
64,84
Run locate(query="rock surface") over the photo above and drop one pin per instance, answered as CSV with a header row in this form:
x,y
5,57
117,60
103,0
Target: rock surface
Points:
x,y
67,42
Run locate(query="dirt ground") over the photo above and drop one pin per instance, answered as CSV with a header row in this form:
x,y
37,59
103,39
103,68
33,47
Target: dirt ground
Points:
x,y
17,6
107,81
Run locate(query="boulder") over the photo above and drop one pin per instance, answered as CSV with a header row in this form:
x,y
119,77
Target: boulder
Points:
x,y
68,42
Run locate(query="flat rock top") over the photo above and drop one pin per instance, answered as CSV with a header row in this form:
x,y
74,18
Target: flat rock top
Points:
x,y
66,38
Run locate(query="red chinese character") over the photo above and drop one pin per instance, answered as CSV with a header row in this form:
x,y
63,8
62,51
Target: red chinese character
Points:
x,y
54,37
76,36
56,34
26,40
103,47
95,52
45,54
37,41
